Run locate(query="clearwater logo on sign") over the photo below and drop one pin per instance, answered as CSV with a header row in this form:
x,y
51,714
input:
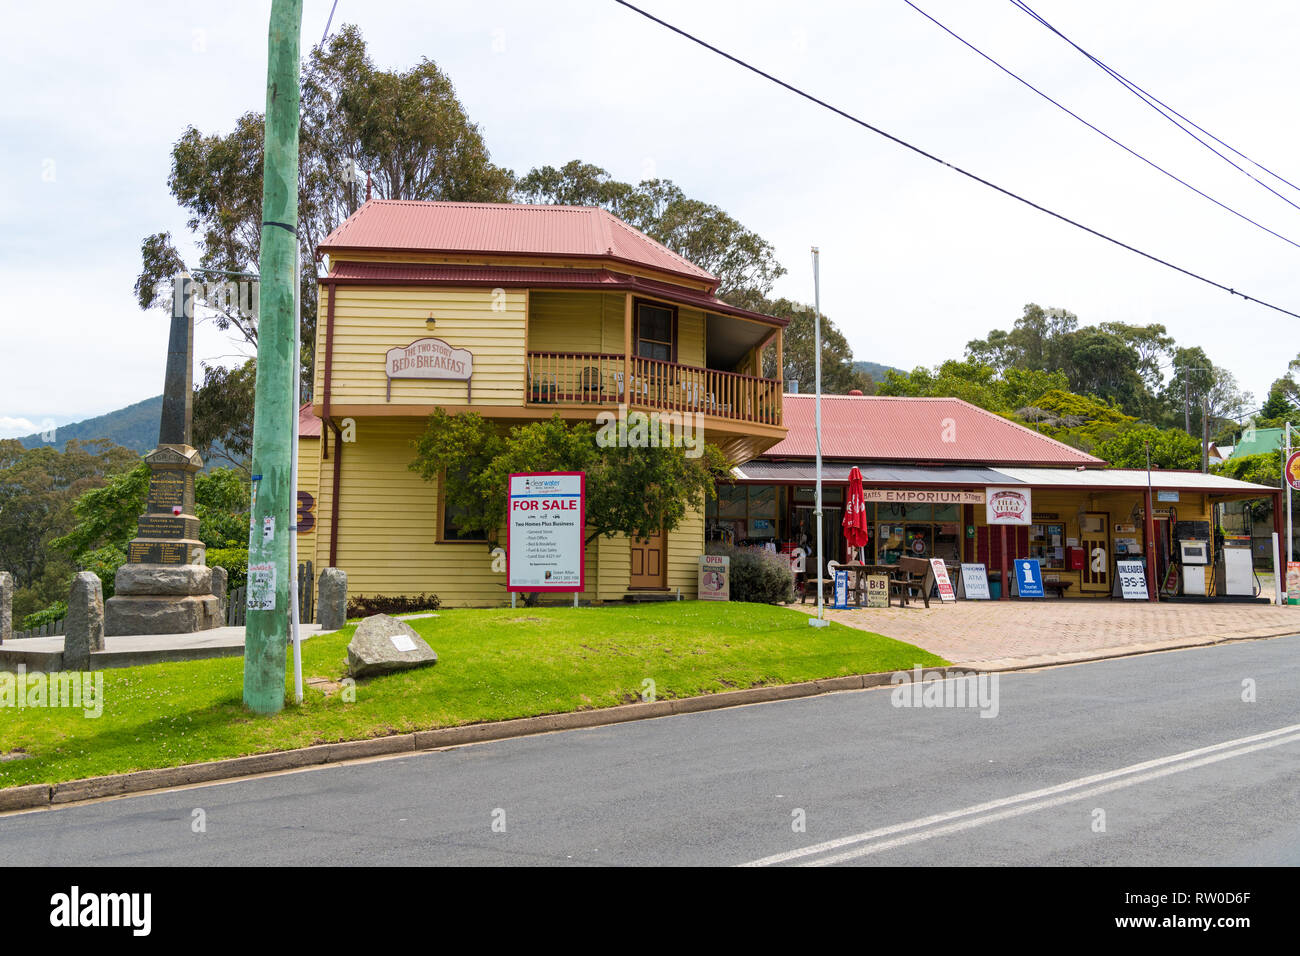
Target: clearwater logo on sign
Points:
x,y
1008,506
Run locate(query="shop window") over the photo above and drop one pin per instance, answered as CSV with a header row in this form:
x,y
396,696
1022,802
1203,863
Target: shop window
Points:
x,y
1047,543
733,501
746,513
807,494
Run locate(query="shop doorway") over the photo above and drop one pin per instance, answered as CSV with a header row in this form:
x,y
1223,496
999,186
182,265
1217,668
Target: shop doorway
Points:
x,y
1094,538
649,566
805,531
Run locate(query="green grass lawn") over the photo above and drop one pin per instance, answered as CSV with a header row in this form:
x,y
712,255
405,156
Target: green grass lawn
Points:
x,y
493,664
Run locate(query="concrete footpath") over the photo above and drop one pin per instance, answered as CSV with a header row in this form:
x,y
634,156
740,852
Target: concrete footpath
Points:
x,y
132,650
1012,635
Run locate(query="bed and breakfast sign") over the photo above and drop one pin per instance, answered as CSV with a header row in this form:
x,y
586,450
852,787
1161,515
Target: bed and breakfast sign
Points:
x,y
545,524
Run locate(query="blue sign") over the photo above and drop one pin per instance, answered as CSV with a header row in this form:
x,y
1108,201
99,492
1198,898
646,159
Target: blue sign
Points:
x,y
1029,578
841,589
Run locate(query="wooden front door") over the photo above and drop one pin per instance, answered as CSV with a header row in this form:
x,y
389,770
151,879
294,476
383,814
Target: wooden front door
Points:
x,y
649,562
1094,538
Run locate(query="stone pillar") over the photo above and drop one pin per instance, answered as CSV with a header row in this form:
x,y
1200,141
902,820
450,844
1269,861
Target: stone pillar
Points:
x,y
332,599
83,630
165,588
221,591
6,606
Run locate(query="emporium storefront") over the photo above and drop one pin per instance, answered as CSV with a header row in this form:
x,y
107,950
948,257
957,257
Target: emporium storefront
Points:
x,y
930,469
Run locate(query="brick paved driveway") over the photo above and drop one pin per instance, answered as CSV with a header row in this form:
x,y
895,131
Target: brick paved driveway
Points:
x,y
1001,634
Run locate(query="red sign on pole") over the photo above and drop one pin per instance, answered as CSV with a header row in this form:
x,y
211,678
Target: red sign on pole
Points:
x,y
1293,470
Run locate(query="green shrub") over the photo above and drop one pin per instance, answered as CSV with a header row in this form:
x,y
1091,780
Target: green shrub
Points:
x,y
104,562
234,560
363,606
56,611
757,575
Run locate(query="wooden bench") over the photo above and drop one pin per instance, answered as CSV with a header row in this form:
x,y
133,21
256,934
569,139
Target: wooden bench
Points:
x,y
1057,587
808,588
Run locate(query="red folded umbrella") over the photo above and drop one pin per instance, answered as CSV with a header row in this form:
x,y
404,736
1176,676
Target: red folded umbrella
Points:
x,y
855,512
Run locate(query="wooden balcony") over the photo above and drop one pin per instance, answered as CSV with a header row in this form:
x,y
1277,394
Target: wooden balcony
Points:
x,y
597,378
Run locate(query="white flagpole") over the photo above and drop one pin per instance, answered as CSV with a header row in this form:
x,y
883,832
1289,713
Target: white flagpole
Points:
x,y
820,619
1286,490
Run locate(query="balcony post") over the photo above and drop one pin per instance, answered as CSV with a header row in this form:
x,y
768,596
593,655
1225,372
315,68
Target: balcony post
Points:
x,y
627,348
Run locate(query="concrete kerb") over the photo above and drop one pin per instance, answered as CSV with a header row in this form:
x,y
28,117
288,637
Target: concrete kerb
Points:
x,y
36,796
1039,661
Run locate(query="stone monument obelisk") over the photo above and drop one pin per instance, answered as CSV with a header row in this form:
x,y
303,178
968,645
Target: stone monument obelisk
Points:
x,y
166,586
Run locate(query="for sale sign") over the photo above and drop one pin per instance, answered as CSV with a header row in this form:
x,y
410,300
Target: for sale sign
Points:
x,y
545,522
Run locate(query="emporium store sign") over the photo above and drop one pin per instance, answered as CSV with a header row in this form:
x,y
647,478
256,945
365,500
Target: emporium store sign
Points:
x,y
936,496
1008,506
429,358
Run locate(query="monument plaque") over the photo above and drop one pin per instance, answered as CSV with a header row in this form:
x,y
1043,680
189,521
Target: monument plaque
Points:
x,y
168,490
166,587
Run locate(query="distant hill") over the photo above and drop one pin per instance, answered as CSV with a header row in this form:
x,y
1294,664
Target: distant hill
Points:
x,y
875,370
134,427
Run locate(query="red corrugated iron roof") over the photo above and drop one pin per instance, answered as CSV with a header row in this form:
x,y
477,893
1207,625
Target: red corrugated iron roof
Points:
x,y
948,430
375,273
504,229
308,422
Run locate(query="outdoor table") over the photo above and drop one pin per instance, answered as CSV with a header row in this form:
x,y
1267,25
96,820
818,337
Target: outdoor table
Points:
x,y
860,572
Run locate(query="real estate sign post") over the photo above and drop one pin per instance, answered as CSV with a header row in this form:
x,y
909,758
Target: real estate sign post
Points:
x,y
545,524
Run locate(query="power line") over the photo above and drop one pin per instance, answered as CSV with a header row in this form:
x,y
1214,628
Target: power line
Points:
x,y
1165,110
969,175
1101,132
324,36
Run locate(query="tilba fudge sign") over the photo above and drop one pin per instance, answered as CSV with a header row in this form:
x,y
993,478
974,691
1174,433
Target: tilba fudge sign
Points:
x,y
1008,506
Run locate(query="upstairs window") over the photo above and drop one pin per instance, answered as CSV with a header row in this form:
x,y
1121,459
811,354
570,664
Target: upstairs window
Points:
x,y
656,332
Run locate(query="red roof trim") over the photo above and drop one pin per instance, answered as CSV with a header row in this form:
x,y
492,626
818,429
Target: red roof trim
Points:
x,y
937,431
505,229
308,422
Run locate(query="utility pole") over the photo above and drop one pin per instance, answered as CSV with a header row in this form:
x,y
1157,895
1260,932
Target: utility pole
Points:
x,y
1187,404
820,619
273,496
1205,433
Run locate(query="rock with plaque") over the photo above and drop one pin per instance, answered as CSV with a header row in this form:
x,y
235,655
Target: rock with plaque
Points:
x,y
166,587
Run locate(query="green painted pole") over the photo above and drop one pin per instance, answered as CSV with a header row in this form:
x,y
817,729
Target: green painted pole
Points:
x,y
271,516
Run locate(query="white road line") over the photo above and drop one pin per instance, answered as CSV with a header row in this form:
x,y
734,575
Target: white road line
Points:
x,y
1045,804
1037,795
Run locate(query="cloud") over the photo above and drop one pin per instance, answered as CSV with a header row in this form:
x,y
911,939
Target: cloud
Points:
x,y
17,427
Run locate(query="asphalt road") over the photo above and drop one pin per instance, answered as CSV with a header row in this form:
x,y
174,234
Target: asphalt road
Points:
x,y
1153,760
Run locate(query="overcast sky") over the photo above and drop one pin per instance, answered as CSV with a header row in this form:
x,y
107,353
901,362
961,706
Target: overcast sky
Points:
x,y
915,259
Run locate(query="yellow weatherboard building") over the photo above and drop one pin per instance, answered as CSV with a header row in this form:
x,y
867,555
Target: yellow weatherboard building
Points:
x,y
517,313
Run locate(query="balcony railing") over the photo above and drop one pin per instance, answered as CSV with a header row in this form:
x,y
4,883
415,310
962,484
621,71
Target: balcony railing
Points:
x,y
597,378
